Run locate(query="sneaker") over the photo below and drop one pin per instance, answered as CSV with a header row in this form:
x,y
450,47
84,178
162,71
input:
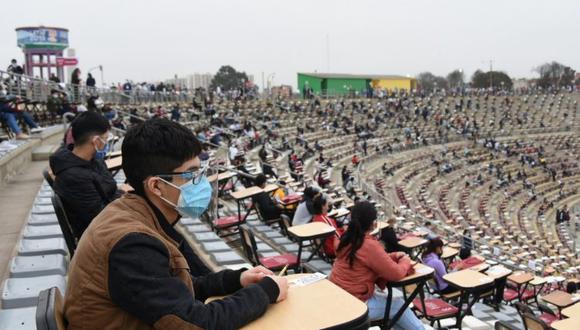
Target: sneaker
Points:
x,y
22,136
36,130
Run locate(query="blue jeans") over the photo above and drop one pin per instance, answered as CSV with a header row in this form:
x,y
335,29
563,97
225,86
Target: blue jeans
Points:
x,y
10,118
377,305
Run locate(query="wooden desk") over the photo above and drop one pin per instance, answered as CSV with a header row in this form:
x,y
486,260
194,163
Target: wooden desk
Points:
x,y
411,243
422,274
221,176
469,282
468,279
482,267
521,279
572,311
241,195
114,164
316,306
449,252
380,226
338,213
572,323
498,272
308,232
560,299
455,245
115,154
292,199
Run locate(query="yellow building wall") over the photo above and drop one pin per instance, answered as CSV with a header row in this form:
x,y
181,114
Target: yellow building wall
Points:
x,y
395,83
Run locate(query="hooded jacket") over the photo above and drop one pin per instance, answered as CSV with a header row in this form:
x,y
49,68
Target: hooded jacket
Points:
x,y
85,187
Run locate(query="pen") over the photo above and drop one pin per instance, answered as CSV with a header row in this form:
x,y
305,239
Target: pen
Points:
x,y
283,271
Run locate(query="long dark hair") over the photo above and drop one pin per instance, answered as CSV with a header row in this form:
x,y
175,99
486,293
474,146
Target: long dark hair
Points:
x,y
309,194
362,217
432,245
318,202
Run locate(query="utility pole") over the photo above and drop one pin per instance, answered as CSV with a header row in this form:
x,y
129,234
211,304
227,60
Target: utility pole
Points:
x,y
327,54
491,74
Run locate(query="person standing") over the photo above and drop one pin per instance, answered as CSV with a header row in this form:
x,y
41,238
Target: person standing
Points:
x,y
90,81
76,84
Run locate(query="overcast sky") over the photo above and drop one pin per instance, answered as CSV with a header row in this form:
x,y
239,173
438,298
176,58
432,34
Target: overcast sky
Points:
x,y
154,40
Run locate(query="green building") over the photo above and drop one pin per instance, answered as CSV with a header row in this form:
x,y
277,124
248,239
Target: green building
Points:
x,y
330,84
334,84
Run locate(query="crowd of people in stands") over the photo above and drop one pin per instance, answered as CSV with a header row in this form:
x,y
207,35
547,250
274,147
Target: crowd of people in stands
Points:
x,y
109,285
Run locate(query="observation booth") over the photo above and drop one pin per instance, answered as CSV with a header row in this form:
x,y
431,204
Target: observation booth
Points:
x,y
43,50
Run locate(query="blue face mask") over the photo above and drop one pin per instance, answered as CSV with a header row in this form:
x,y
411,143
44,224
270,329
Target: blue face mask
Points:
x,y
194,198
100,154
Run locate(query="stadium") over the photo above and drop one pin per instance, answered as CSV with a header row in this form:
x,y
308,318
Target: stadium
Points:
x,y
342,201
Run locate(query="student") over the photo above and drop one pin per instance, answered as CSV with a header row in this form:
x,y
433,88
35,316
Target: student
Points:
x,y
361,263
466,240
389,237
83,181
267,207
428,228
282,192
320,207
304,210
432,258
133,270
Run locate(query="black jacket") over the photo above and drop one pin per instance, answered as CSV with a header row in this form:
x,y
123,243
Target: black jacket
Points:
x,y
85,187
160,296
389,237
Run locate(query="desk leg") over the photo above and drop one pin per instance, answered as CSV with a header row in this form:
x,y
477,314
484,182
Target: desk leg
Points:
x,y
386,322
300,255
315,250
390,323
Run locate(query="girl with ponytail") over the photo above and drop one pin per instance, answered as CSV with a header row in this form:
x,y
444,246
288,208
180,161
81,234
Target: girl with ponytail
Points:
x,y
361,263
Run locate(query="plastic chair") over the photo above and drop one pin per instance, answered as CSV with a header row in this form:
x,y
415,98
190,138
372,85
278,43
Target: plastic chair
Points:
x,y
274,262
69,237
533,323
502,325
48,176
49,310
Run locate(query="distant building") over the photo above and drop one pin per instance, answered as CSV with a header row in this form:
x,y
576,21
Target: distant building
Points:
x,y
341,84
197,80
521,83
284,91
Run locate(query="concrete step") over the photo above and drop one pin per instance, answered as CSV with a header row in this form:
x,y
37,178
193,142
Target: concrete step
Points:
x,y
44,152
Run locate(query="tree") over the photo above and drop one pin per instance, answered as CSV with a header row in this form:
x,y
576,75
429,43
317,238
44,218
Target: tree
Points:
x,y
488,79
455,78
429,81
227,78
555,74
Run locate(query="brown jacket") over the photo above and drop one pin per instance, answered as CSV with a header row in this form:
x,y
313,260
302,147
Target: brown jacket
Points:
x,y
90,303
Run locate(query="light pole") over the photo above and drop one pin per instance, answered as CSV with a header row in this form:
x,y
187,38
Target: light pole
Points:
x,y
270,82
100,67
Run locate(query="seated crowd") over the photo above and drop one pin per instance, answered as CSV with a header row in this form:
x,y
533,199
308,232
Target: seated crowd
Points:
x,y
133,269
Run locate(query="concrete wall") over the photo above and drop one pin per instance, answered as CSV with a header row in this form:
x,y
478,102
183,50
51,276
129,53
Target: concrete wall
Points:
x,y
42,146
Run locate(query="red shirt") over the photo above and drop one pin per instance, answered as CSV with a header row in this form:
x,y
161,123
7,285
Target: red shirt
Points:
x,y
372,265
331,243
